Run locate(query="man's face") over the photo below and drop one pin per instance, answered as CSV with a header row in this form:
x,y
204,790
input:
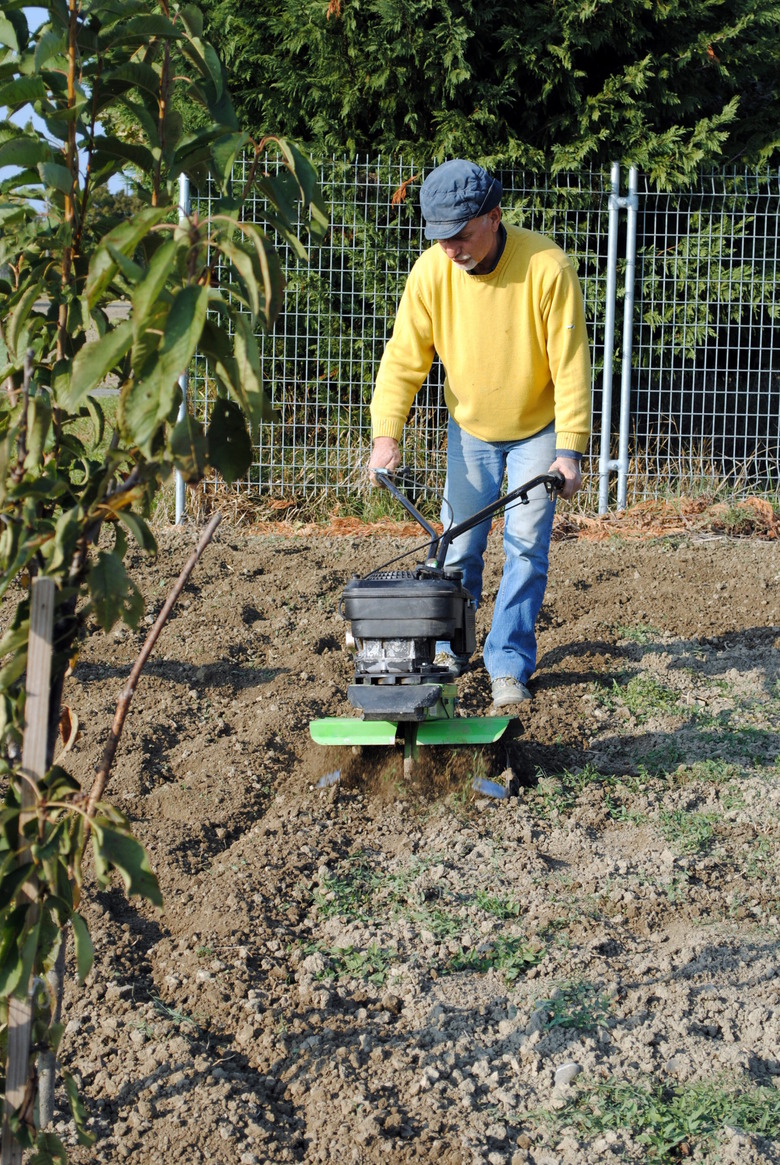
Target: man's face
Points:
x,y
474,248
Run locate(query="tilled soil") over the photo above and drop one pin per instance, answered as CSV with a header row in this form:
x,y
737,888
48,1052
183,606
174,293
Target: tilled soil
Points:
x,y
354,967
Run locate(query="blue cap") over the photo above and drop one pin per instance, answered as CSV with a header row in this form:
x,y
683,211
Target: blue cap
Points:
x,y
454,193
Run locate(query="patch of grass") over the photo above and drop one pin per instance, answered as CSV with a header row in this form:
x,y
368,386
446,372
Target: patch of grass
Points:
x,y
184,1023
671,1122
512,955
439,922
618,810
646,697
349,893
688,832
641,633
762,859
660,762
558,794
713,770
677,888
577,1004
503,907
754,745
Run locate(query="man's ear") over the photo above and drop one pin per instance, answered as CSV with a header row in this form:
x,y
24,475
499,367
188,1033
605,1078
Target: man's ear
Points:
x,y
495,217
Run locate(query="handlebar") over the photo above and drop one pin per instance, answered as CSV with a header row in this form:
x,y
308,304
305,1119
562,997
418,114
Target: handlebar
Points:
x,y
440,544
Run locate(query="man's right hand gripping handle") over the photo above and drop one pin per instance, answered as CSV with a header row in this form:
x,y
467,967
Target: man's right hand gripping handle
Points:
x,y
384,455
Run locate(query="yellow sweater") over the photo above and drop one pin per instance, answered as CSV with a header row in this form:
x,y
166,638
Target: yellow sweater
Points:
x,y
513,344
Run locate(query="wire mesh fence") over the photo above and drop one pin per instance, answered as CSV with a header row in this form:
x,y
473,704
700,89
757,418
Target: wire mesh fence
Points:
x,y
705,359
706,368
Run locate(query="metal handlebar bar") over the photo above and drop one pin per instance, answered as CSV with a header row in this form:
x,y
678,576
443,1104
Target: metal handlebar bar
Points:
x,y
440,544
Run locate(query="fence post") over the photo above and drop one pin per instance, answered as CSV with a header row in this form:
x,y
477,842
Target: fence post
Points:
x,y
184,213
605,463
617,203
631,203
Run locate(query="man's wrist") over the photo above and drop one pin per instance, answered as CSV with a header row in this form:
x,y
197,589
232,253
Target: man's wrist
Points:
x,y
572,454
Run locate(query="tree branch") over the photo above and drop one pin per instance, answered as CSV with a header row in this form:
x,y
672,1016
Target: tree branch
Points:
x,y
126,696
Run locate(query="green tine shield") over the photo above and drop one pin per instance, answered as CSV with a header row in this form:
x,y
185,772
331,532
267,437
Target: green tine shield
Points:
x,y
463,730
333,730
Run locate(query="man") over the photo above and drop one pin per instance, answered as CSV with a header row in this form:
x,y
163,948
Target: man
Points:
x,y
503,309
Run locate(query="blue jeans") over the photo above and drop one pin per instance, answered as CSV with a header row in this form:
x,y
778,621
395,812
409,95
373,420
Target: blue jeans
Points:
x,y
475,472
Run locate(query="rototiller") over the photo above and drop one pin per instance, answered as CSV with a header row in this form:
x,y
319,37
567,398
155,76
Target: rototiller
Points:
x,y
396,618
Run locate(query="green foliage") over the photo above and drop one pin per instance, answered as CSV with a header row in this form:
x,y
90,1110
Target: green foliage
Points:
x,y
578,1005
371,964
666,1119
100,288
512,955
688,832
563,83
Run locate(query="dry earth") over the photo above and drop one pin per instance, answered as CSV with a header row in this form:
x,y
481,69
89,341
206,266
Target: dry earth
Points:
x,y
377,972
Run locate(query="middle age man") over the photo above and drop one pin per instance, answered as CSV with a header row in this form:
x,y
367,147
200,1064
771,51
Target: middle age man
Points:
x,y
503,309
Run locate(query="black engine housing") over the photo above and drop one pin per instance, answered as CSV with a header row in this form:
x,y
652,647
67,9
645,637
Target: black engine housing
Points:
x,y
398,616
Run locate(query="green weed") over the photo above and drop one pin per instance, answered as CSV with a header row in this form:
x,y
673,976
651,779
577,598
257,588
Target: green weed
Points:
x,y
439,922
502,907
713,770
677,888
371,964
660,762
688,832
349,893
646,697
184,1023
671,1122
618,810
761,860
512,955
641,633
577,1004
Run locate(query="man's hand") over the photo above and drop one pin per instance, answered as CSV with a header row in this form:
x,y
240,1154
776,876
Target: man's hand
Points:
x,y
569,468
384,455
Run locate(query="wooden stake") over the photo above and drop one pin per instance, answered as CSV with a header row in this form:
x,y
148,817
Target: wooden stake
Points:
x,y
20,1081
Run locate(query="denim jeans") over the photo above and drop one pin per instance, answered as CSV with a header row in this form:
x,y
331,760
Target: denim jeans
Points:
x,y
475,473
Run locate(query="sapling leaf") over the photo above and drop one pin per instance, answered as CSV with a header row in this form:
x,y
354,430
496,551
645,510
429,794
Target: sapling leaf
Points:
x,y
93,363
139,530
114,594
56,177
189,447
77,1110
11,880
85,952
24,151
230,446
125,238
49,1150
147,403
116,848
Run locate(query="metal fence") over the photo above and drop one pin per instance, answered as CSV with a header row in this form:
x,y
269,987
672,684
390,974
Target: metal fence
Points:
x,y
688,281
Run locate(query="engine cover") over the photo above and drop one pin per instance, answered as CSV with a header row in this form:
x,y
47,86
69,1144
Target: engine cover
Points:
x,y
397,617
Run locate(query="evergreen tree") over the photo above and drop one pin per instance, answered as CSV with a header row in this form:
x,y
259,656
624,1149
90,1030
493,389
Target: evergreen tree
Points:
x,y
666,85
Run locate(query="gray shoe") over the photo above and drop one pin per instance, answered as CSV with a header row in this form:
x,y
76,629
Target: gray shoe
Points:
x,y
453,663
508,691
